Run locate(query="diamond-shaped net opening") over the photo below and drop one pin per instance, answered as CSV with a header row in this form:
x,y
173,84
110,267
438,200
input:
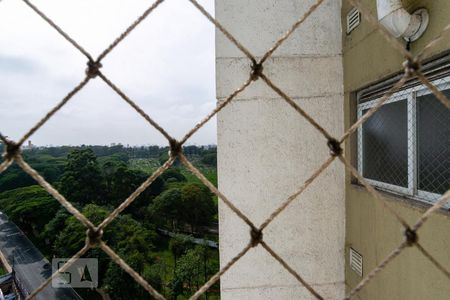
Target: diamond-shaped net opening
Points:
x,y
94,233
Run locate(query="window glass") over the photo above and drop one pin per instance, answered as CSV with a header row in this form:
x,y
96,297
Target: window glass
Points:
x,y
433,144
385,144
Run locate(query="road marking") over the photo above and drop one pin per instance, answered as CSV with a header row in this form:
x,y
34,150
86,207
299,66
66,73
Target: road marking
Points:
x,y
16,233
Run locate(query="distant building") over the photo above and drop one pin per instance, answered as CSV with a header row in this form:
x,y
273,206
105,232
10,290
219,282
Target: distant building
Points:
x,y
29,146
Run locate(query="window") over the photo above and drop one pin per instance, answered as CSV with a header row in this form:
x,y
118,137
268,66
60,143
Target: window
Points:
x,y
405,146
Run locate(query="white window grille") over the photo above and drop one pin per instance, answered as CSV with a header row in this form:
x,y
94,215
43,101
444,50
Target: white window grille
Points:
x,y
405,147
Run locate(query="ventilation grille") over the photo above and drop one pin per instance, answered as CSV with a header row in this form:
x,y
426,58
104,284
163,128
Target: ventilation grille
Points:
x,y
353,20
356,262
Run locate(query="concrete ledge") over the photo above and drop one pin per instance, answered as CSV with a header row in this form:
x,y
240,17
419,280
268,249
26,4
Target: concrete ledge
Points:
x,y
327,290
293,75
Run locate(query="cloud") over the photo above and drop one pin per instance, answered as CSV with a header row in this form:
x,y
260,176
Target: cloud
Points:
x,y
11,64
166,66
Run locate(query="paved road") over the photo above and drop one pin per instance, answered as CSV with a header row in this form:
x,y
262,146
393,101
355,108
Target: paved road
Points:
x,y
29,262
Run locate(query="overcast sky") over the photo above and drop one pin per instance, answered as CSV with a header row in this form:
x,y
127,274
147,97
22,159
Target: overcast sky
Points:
x,y
166,65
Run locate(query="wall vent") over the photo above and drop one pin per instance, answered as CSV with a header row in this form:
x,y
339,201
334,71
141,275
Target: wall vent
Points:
x,y
356,262
353,19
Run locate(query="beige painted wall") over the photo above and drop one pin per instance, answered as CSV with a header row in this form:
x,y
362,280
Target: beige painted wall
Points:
x,y
266,150
370,229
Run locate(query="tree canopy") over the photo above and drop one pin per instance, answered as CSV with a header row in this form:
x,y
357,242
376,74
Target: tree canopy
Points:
x,y
29,207
82,180
96,180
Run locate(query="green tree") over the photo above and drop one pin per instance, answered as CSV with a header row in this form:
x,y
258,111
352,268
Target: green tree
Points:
x,y
178,246
188,271
124,233
121,182
167,208
49,167
134,244
54,227
82,180
129,235
72,238
209,159
132,241
173,173
152,273
125,181
191,204
14,178
198,205
120,285
29,207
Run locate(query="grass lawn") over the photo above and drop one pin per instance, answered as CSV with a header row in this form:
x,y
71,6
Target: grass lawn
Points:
x,y
165,257
146,165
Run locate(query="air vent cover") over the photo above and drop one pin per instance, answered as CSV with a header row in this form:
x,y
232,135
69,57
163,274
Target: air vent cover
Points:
x,y
353,19
356,262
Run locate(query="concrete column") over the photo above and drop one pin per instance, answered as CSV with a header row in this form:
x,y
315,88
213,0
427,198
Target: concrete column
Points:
x,y
267,150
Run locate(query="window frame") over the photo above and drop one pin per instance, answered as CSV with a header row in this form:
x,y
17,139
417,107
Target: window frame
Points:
x,y
408,94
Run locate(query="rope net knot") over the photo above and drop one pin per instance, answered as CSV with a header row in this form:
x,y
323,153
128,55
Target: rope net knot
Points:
x,y
411,237
12,149
412,66
93,237
93,68
257,69
256,236
175,148
335,147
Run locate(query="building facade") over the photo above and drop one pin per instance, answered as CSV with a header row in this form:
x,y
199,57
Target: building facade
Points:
x,y
371,63
266,151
